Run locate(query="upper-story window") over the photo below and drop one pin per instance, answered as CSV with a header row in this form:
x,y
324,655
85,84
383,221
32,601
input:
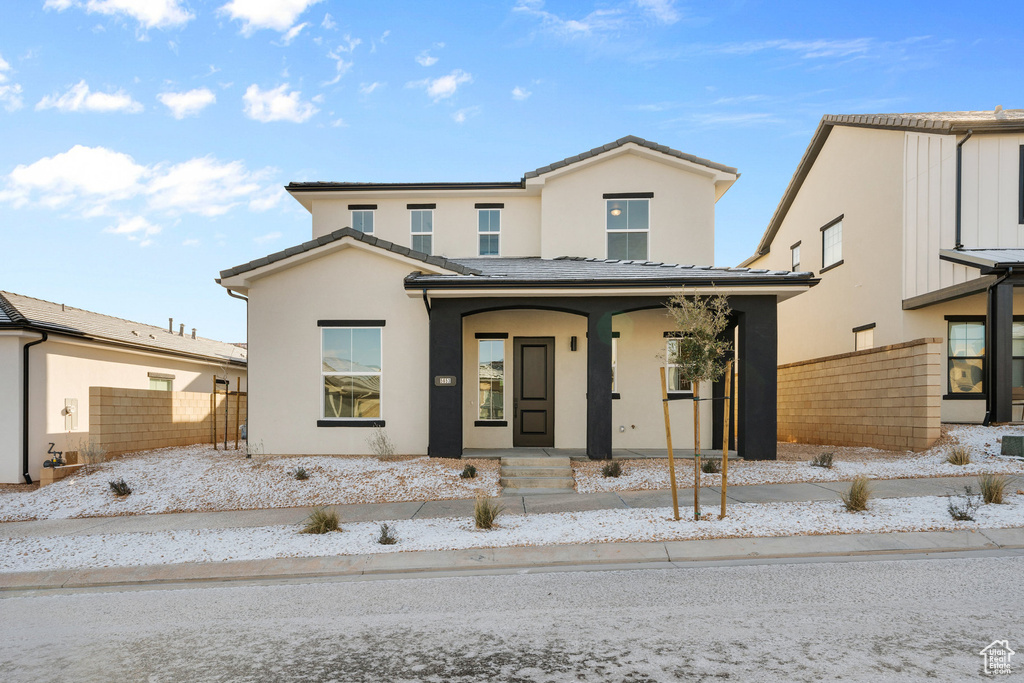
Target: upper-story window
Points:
x,y
422,217
489,228
628,223
795,257
362,217
832,243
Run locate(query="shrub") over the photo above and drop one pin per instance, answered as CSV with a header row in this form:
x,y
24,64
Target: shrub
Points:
x,y
612,469
856,497
468,472
959,455
823,460
387,535
963,507
300,473
120,487
992,487
91,454
321,520
485,512
381,444
711,467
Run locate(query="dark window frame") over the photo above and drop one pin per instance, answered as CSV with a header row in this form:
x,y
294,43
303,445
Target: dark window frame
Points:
x,y
792,249
829,266
962,396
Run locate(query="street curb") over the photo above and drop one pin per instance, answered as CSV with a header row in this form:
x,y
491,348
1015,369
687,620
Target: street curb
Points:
x,y
595,555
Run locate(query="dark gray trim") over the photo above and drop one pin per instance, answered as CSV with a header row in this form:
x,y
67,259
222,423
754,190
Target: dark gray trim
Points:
x,y
861,328
504,283
830,267
490,423
26,404
489,205
616,335
350,423
950,293
420,206
964,318
963,397
672,334
999,352
399,187
832,222
958,211
351,323
794,246
628,195
492,335
615,396
625,141
362,207
159,375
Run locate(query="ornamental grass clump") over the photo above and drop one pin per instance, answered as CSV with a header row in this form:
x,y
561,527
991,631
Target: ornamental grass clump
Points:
x,y
823,460
300,473
959,455
992,487
120,488
485,512
387,535
856,497
611,469
321,521
962,508
711,467
468,472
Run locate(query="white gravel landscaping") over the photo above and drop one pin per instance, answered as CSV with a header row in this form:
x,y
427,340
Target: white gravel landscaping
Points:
x,y
199,478
597,526
642,475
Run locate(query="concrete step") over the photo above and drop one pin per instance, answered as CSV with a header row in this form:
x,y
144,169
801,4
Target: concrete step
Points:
x,y
533,492
536,471
530,461
537,482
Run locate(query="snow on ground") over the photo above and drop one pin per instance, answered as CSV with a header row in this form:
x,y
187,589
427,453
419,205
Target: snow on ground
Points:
x,y
195,478
596,526
638,475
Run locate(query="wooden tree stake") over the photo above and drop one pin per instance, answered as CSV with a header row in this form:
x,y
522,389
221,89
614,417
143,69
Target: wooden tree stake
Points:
x,y
668,438
696,452
727,413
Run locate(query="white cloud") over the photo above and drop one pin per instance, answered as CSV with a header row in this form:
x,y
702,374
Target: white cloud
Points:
x,y
367,88
520,93
293,33
349,45
10,94
204,186
149,13
277,105
443,87
189,103
339,123
80,98
136,229
192,242
806,49
598,21
425,59
328,22
94,175
662,10
341,66
461,115
279,15
269,237
268,198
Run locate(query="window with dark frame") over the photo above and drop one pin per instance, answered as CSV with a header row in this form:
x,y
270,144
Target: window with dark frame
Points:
x,y
422,230
351,372
627,222
676,384
832,244
966,357
864,337
795,257
489,229
491,376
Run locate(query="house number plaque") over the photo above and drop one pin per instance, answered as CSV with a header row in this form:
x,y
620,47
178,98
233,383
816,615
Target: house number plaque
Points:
x,y
444,380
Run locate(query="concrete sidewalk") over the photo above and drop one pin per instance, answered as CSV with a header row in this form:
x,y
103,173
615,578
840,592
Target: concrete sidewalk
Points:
x,y
651,555
568,502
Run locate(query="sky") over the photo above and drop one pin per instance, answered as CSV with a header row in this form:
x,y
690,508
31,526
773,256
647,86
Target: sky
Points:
x,y
144,144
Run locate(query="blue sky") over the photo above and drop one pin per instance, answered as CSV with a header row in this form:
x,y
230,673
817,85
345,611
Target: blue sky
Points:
x,y
144,143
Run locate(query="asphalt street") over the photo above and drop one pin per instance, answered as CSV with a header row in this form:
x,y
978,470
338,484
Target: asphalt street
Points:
x,y
900,620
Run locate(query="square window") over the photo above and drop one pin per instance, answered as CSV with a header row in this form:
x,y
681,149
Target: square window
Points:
x,y
363,221
160,384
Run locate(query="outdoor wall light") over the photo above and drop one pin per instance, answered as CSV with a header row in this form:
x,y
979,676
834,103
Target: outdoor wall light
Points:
x,y
572,343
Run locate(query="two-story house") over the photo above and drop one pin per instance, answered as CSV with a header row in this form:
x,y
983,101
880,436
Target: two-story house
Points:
x,y
915,225
502,315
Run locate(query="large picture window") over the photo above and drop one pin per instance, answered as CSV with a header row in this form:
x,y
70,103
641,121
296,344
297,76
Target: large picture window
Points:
x,y
489,227
675,382
351,372
628,225
491,373
966,357
423,230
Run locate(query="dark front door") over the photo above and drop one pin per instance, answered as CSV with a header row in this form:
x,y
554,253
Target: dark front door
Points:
x,y
533,408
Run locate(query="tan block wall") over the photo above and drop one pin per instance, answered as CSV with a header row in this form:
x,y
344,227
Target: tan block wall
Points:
x,y
889,397
125,420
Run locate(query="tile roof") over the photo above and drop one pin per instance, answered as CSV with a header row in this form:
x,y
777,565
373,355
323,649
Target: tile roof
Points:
x,y
590,272
17,310
438,261
624,141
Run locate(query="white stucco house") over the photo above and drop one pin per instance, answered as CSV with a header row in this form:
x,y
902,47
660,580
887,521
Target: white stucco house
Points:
x,y
51,355
914,224
530,313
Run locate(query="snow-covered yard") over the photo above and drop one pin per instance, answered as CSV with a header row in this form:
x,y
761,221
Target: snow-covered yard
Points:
x,y
639,475
744,520
196,478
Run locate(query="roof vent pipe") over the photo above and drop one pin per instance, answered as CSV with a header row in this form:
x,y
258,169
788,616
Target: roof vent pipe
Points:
x,y
181,330
959,183
193,333
170,326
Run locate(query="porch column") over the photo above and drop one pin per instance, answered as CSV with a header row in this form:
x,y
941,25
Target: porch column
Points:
x,y
599,384
445,361
999,328
758,356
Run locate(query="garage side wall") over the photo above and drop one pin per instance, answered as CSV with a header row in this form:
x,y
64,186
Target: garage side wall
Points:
x,y
888,397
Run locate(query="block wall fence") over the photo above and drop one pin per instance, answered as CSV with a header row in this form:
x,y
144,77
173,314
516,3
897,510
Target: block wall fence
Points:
x,y
887,397
125,420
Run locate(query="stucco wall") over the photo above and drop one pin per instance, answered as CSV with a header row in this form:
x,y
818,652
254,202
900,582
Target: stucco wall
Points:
x,y
284,353
887,397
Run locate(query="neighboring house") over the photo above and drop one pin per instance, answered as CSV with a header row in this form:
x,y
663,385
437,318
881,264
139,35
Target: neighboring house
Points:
x,y
915,225
501,315
69,351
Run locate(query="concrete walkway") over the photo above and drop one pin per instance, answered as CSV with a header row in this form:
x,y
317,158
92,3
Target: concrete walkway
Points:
x,y
568,502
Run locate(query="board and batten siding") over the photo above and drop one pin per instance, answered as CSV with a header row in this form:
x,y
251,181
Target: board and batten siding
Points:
x,y
990,204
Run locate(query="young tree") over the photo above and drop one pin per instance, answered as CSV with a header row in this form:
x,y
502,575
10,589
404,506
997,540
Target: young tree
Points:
x,y
700,354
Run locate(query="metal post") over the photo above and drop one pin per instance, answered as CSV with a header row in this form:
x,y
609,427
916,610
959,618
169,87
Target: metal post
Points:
x,y
668,438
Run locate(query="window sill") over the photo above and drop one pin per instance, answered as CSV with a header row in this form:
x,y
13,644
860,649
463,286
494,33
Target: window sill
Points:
x,y
680,395
349,423
830,267
965,397
491,423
